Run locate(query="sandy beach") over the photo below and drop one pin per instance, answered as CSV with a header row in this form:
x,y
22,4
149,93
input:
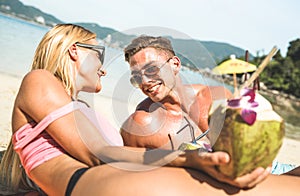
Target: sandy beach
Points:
x,y
9,87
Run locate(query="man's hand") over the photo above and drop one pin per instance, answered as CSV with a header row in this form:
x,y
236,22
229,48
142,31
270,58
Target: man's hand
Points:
x,y
207,162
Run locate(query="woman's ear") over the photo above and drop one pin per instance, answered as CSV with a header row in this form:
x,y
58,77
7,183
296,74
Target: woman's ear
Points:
x,y
73,52
176,65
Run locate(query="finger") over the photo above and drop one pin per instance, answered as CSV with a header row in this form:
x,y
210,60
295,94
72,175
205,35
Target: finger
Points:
x,y
214,158
260,178
241,182
246,181
249,180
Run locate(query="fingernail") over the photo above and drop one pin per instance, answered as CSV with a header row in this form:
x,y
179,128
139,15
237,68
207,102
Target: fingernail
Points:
x,y
226,158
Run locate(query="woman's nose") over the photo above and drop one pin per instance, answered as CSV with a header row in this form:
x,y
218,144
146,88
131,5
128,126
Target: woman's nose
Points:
x,y
103,72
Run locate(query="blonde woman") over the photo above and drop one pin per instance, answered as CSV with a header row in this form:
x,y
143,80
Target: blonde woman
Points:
x,y
49,123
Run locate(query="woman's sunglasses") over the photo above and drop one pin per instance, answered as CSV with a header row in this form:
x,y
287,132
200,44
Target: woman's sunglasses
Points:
x,y
99,49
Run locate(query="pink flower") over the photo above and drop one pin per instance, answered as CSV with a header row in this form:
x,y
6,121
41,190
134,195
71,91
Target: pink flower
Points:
x,y
246,102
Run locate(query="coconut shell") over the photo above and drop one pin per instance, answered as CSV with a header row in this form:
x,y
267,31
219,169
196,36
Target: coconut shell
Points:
x,y
249,146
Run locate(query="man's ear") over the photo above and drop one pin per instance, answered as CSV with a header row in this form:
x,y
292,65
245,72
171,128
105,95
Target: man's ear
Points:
x,y
73,52
176,65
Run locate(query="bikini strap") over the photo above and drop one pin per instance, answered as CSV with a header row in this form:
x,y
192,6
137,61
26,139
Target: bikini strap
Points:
x,y
27,133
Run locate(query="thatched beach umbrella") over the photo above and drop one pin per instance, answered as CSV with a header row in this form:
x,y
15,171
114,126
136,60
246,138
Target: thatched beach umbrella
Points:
x,y
234,66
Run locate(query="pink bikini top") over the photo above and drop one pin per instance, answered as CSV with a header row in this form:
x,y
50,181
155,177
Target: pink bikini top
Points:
x,y
35,146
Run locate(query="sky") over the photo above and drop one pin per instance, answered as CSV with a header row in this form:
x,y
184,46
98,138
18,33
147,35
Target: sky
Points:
x,y
254,25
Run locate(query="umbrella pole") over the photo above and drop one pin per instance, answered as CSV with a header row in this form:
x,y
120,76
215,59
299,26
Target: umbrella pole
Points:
x,y
236,91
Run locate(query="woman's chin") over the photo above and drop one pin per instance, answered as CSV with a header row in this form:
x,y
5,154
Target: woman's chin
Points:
x,y
98,88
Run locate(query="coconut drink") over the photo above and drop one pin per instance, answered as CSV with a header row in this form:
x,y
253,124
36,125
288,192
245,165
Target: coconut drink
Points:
x,y
252,133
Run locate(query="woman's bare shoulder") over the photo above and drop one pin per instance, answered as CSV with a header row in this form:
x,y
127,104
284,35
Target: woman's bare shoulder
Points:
x,y
41,85
41,93
38,77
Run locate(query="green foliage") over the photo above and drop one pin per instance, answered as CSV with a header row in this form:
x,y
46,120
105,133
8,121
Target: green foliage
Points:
x,y
283,74
294,50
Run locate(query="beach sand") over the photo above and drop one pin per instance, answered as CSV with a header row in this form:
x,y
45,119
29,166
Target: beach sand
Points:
x,y
9,87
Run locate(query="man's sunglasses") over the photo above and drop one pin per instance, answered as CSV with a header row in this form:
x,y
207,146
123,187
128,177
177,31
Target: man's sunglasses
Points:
x,y
99,49
150,71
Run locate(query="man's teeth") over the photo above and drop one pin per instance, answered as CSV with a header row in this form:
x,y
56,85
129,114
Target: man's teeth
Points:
x,y
153,88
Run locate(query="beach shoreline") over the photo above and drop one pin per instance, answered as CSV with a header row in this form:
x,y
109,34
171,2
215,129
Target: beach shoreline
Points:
x,y
9,88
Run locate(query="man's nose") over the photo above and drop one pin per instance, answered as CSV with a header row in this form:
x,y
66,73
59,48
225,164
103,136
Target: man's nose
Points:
x,y
145,79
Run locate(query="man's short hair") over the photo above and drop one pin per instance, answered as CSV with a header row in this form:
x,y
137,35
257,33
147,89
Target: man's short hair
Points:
x,y
145,41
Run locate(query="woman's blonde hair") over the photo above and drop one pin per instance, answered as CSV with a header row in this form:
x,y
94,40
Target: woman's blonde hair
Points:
x,y
51,54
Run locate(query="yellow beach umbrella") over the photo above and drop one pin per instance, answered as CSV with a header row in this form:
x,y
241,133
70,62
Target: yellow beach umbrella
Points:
x,y
234,66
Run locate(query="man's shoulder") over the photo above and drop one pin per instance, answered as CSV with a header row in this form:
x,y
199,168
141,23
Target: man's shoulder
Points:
x,y
145,113
145,105
138,121
199,87
214,92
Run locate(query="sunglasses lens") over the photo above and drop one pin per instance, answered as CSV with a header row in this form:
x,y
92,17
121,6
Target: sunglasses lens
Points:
x,y
135,80
150,71
102,56
99,49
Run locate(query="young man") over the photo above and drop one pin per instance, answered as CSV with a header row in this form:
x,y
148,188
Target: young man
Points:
x,y
173,113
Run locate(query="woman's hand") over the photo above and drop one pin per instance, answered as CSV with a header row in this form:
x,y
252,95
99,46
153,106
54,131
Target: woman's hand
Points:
x,y
207,162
